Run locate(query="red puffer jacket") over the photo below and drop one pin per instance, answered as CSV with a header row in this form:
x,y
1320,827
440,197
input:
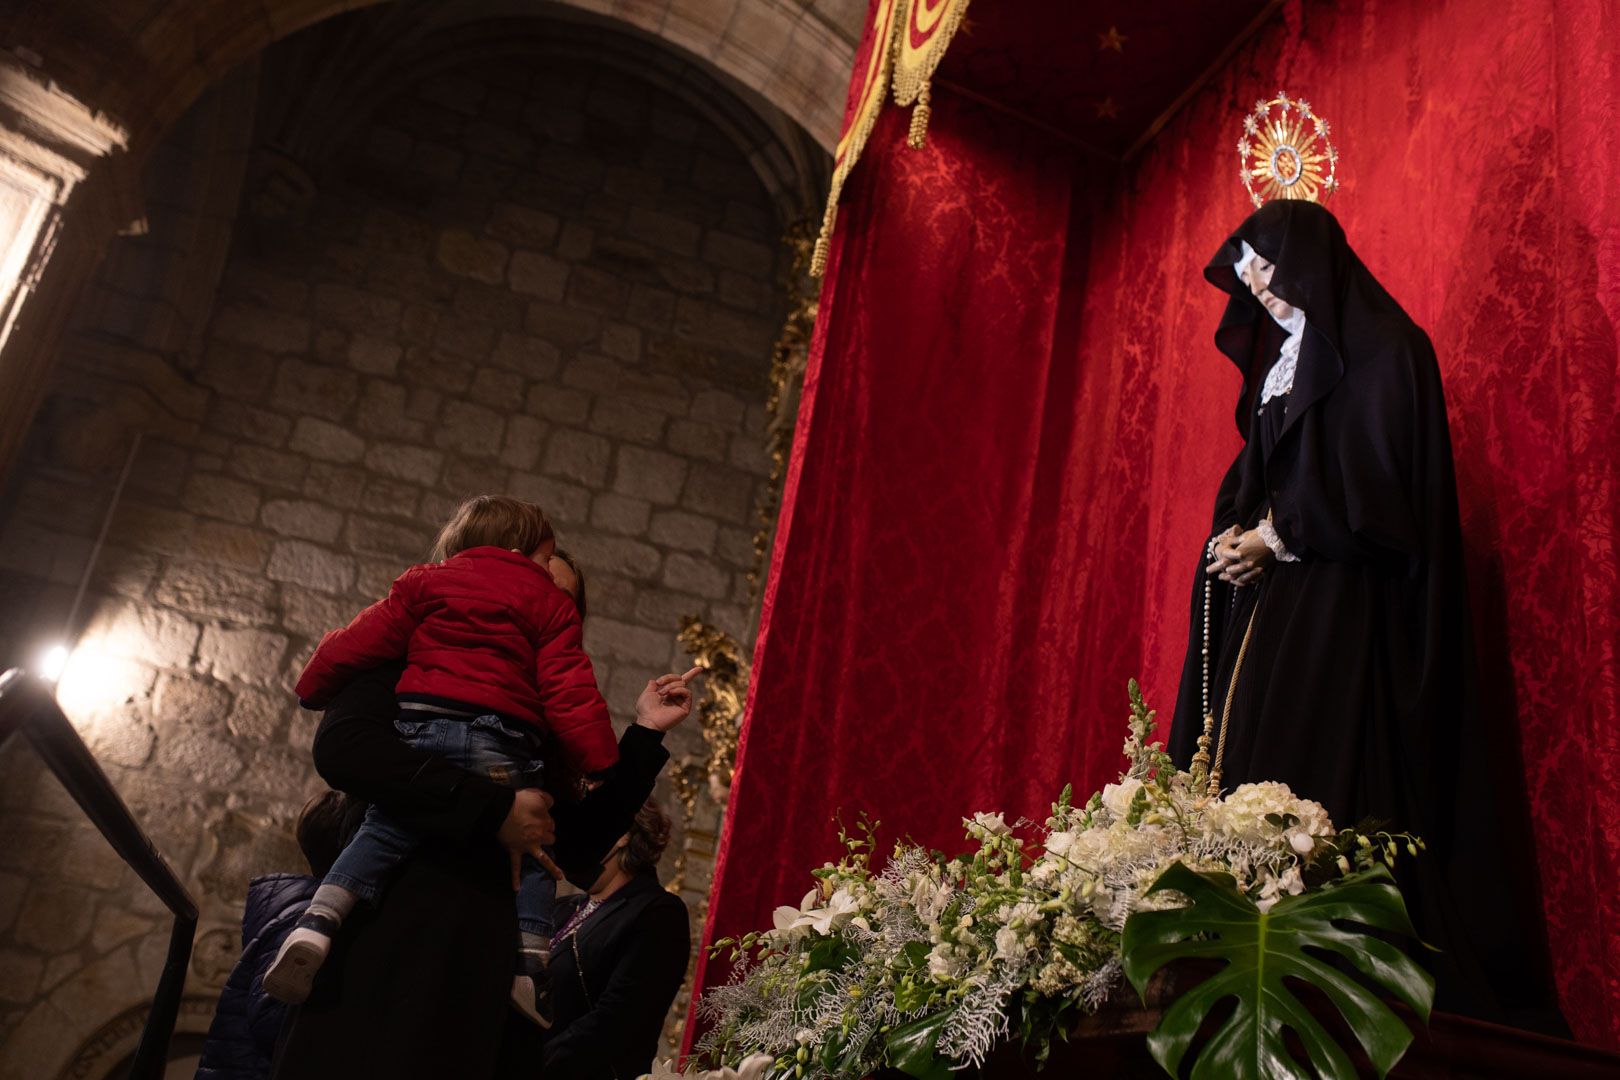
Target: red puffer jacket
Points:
x,y
486,629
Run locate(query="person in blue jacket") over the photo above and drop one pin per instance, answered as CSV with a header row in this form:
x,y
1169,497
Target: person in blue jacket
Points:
x,y
246,1031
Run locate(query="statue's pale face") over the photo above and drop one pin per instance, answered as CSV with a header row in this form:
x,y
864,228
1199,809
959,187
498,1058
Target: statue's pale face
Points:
x,y
1257,276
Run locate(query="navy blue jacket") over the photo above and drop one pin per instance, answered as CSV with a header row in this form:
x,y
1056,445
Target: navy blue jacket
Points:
x,y
247,1024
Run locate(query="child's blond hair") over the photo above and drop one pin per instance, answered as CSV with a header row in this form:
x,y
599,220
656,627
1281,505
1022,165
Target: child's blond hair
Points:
x,y
493,521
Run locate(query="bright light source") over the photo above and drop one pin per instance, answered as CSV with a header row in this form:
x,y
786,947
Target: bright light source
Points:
x,y
52,663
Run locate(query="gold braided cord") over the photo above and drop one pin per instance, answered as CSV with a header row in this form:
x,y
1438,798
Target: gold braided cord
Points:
x,y
868,106
925,33
1231,693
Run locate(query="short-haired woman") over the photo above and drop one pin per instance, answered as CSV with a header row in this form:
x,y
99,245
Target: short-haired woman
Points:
x,y
617,962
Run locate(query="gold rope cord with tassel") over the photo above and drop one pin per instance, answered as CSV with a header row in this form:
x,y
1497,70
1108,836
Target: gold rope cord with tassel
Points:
x,y
1231,693
868,105
925,34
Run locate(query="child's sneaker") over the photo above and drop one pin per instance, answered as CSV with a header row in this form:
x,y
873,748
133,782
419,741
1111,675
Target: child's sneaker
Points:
x,y
291,974
526,1001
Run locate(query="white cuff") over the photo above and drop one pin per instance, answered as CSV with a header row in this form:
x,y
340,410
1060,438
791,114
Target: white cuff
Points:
x,y
1274,542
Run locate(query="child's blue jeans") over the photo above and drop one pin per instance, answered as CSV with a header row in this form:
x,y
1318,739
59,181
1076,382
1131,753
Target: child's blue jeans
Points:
x,y
484,745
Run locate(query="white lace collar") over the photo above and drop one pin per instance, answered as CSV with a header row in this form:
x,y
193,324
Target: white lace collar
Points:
x,y
1280,379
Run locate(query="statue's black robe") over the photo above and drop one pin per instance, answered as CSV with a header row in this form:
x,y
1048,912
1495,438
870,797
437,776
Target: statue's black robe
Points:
x,y
1357,686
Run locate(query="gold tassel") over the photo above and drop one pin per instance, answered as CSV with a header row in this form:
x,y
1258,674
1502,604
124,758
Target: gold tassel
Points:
x,y
917,138
823,248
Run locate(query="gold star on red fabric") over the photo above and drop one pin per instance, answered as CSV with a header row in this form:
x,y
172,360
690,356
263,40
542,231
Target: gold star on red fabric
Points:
x,y
1113,39
1106,109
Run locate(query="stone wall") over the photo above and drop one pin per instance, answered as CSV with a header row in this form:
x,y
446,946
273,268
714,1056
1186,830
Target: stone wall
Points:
x,y
549,280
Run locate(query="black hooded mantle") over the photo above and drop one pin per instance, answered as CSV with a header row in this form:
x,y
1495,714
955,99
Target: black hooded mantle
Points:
x,y
1357,687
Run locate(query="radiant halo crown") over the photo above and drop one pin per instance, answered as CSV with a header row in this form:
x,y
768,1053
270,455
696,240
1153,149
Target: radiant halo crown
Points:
x,y
1284,152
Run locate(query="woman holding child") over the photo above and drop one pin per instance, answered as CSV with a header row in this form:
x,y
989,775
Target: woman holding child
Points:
x,y
418,914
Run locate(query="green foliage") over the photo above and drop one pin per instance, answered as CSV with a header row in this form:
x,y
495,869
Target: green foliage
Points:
x,y
911,1047
1261,949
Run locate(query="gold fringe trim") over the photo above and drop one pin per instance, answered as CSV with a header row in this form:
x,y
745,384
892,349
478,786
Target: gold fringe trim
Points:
x,y
913,68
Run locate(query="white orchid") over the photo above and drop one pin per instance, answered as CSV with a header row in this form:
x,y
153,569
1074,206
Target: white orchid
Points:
x,y
992,824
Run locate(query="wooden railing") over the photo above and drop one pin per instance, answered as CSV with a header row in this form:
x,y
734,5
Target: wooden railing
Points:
x,y
28,708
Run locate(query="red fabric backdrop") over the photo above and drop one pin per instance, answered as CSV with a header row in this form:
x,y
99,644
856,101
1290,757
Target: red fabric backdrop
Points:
x,y
1016,420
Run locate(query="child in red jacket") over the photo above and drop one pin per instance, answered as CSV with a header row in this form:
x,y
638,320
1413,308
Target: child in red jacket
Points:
x,y
494,659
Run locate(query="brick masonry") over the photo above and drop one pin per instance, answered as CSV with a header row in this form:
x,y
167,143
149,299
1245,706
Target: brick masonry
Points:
x,y
545,280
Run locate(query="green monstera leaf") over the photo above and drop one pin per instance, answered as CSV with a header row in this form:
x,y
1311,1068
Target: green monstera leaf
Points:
x,y
911,1047
1261,949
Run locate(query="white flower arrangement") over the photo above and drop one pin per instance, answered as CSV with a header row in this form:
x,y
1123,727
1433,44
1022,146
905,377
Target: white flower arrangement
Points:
x,y
949,955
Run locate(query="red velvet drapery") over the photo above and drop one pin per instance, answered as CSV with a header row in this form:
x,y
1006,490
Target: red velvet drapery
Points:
x,y
1016,421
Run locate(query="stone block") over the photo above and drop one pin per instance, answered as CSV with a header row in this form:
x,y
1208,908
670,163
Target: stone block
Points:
x,y
748,292
270,468
311,566
13,887
522,226
661,608
377,576
692,438
687,276
128,742
538,275
626,557
389,497
442,371
335,485
215,496
595,373
468,339
576,241
464,477
54,918
384,411
243,655
189,700
496,388
683,531
621,342
403,461
236,545
488,305
326,441
564,503
748,453
560,404
521,448
470,430
562,326
310,614
664,231
260,285
701,576
214,592
314,390
374,355
594,289
476,257
236,371
719,492
578,456
708,323
154,635
302,519
202,757
736,547
250,423
405,541
650,307
625,642
261,328
529,357
619,418
260,716
649,474
738,253
620,514
356,310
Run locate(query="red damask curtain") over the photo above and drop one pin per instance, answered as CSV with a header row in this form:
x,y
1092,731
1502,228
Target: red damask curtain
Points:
x,y
1016,420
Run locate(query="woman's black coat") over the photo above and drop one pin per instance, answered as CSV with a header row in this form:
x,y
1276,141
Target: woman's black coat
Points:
x,y
419,987
612,982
